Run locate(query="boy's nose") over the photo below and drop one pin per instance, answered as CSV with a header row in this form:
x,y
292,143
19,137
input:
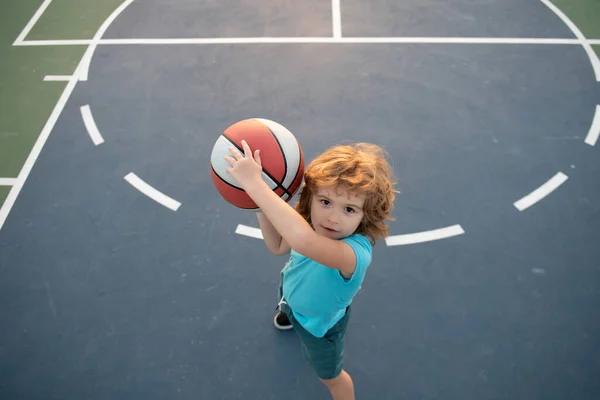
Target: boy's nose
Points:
x,y
333,218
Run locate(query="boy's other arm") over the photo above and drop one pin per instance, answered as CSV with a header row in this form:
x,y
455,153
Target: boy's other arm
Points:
x,y
275,243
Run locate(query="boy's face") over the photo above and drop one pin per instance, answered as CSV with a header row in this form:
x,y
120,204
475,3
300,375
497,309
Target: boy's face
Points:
x,y
336,212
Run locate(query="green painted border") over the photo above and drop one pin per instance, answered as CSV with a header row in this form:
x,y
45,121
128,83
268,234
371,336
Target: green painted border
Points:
x,y
26,100
4,190
73,19
584,13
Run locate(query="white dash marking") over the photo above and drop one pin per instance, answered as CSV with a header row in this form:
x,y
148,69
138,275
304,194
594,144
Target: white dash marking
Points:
x,y
90,125
577,32
594,132
151,192
336,18
541,192
32,22
249,231
57,78
8,181
426,236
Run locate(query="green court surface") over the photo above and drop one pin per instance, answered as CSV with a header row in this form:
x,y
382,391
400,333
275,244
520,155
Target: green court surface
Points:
x,y
4,192
72,19
585,14
26,100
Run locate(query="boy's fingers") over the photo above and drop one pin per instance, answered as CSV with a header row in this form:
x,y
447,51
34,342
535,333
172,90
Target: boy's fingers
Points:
x,y
247,151
257,157
236,153
230,160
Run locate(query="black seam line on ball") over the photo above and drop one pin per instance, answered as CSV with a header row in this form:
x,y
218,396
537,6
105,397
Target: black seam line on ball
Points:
x,y
279,185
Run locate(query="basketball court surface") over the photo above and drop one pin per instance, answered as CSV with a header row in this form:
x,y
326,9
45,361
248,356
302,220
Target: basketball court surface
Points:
x,y
124,274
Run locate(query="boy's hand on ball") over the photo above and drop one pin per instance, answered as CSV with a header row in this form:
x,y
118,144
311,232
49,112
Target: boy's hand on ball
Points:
x,y
245,168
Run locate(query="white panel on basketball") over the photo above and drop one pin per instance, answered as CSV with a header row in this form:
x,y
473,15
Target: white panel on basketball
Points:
x,y
220,165
291,152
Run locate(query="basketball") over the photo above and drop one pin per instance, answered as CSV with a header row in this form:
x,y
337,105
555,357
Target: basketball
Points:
x,y
281,156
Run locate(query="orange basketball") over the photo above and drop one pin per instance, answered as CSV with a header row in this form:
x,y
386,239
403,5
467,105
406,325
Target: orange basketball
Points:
x,y
281,157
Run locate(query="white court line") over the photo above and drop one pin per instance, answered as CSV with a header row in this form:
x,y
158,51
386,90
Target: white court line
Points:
x,y
349,40
308,40
90,125
541,192
87,57
593,41
8,181
426,236
594,132
249,231
586,45
32,22
336,18
57,78
151,192
67,42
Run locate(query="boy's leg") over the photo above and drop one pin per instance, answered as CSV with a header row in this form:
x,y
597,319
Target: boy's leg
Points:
x,y
281,320
326,356
341,387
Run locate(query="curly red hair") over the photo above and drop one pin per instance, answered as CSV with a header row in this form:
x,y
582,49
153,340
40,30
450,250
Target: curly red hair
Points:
x,y
361,168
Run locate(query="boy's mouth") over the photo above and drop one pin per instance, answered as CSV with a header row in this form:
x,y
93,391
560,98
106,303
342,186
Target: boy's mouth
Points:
x,y
329,229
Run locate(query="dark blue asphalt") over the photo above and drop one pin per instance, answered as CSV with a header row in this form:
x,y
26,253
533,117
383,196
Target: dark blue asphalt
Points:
x,y
106,294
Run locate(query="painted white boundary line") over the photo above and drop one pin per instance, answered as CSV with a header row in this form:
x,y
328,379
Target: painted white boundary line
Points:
x,y
309,40
57,78
8,181
336,18
151,192
249,231
87,57
541,192
426,236
32,22
67,42
587,47
594,132
90,125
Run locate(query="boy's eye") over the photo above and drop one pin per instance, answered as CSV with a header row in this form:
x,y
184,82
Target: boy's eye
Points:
x,y
349,209
325,202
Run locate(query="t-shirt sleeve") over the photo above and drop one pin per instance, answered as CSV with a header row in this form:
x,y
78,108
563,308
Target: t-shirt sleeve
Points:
x,y
363,251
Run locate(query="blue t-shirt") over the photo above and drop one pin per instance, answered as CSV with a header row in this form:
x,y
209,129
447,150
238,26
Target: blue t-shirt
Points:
x,y
319,295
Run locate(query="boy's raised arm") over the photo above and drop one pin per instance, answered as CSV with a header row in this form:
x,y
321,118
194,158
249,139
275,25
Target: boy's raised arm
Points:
x,y
275,243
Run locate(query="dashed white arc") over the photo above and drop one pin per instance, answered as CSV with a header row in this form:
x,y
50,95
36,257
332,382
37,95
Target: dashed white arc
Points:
x,y
395,240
